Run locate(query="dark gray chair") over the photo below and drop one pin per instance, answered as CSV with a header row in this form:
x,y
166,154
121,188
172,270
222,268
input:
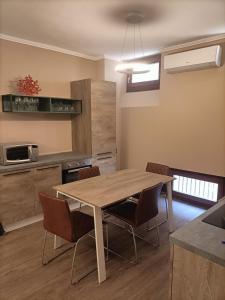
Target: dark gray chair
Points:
x,y
136,213
88,172
162,170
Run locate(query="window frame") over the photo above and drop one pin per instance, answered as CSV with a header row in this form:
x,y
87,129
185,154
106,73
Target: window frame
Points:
x,y
201,176
145,85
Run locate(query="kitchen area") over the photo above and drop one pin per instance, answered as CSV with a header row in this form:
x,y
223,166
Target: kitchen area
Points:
x,y
24,172
74,123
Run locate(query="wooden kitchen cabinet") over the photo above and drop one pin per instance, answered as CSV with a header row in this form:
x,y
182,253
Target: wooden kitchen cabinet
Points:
x,y
103,116
44,179
94,131
19,191
17,196
194,277
106,164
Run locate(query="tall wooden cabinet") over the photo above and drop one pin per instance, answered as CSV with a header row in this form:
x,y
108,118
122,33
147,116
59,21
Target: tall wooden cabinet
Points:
x,y
94,131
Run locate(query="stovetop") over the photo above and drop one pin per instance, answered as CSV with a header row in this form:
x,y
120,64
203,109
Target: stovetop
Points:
x,y
76,164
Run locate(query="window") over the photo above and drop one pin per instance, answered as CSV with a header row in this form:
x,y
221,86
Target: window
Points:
x,y
146,81
197,187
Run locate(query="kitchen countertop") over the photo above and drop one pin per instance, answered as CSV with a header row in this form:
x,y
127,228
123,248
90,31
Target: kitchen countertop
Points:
x,y
202,238
48,159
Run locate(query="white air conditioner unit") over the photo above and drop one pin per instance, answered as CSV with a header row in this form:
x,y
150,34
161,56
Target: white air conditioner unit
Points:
x,y
197,59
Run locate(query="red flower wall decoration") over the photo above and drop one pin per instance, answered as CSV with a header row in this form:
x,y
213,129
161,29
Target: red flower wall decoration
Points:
x,y
28,86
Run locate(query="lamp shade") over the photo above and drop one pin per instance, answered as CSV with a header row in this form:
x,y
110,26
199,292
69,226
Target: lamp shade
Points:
x,y
132,68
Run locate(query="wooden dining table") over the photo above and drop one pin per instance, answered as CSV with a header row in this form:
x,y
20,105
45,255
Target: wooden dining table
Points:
x,y
101,191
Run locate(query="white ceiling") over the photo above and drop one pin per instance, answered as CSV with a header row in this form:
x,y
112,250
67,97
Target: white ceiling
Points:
x,y
96,27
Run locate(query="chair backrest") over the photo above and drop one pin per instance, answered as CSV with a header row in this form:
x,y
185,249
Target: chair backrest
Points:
x,y
57,219
157,168
88,172
147,206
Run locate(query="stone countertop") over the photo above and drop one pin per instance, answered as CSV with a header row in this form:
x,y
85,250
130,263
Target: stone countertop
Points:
x,y
202,238
43,160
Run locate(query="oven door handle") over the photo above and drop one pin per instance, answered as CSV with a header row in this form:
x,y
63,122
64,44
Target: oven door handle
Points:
x,y
17,161
75,170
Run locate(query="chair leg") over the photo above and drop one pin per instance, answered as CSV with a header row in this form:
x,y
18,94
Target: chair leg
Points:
x,y
157,232
139,236
46,261
107,241
73,261
74,255
149,227
135,245
166,207
106,228
43,249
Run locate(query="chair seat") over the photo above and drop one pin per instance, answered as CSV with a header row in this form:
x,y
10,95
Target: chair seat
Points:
x,y
125,211
82,224
162,194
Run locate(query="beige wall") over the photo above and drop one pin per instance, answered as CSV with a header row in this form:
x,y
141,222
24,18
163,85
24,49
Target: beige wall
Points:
x,y
185,129
100,65
54,71
183,125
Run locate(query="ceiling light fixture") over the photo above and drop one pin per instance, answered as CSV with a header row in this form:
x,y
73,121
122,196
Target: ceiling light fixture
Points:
x,y
133,21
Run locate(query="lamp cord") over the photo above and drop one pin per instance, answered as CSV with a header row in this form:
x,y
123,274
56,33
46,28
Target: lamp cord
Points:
x,y
124,42
134,42
141,40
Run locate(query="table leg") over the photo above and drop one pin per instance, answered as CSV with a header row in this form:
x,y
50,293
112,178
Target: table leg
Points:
x,y
170,206
99,244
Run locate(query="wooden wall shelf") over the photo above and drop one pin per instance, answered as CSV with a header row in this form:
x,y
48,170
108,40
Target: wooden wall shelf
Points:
x,y
35,104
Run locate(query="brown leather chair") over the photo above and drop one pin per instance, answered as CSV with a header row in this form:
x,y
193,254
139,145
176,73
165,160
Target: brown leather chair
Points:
x,y
72,226
88,172
163,170
136,213
158,168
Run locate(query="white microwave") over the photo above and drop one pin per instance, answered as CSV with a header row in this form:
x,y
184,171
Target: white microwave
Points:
x,y
19,153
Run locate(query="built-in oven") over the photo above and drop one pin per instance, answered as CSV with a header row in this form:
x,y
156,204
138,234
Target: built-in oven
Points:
x,y
70,170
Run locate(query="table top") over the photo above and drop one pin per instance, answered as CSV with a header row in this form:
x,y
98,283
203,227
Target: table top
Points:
x,y
105,190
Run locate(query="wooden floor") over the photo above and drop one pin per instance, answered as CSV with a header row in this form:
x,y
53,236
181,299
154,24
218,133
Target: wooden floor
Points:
x,y
22,275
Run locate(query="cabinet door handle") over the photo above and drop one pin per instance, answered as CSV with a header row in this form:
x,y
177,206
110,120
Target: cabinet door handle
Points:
x,y
104,153
76,170
106,157
17,173
48,167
